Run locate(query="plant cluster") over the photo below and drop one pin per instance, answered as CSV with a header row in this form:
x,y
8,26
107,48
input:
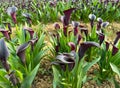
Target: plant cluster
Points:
x,y
76,51
41,11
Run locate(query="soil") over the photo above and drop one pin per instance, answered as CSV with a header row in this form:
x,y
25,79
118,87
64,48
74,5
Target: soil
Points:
x,y
44,77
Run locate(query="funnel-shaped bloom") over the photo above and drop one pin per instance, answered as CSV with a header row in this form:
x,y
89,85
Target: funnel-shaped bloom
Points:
x,y
84,30
85,46
101,37
65,59
117,37
72,46
28,17
31,32
12,12
66,17
99,23
33,42
56,26
4,53
21,51
75,25
13,78
9,27
92,17
5,33
79,38
104,24
114,50
107,46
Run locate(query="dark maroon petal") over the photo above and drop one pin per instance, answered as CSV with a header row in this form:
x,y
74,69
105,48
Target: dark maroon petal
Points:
x,y
5,33
67,14
4,53
56,26
13,78
5,64
31,33
75,24
13,15
21,51
117,37
79,38
107,46
84,30
75,31
84,47
101,37
33,42
65,30
114,50
72,46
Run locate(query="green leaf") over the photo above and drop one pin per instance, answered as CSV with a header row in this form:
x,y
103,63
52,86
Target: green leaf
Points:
x,y
89,65
115,69
29,78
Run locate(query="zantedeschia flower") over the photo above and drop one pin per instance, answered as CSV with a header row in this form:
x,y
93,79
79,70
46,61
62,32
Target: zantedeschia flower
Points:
x,y
28,16
99,23
12,12
84,47
101,37
114,50
5,33
31,32
4,53
107,46
104,24
75,25
72,46
21,51
92,17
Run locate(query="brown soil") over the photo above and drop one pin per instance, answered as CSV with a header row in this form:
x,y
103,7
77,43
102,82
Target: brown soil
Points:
x,y
44,77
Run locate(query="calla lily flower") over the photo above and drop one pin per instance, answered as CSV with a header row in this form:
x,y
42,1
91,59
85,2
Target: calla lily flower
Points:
x,y
85,46
56,26
31,32
114,50
92,17
65,19
104,24
13,78
117,38
65,59
101,37
4,53
75,25
12,12
85,30
5,33
79,38
53,3
107,46
21,51
33,42
72,46
28,16
99,23
9,27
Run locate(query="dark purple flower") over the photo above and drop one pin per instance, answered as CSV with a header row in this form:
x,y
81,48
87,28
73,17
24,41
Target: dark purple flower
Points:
x,y
85,30
9,27
21,51
66,16
72,46
79,38
92,17
101,37
65,60
114,50
4,53
13,78
104,24
28,16
99,23
56,26
12,12
33,42
65,31
85,46
5,33
31,32
75,25
53,3
107,46
117,37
